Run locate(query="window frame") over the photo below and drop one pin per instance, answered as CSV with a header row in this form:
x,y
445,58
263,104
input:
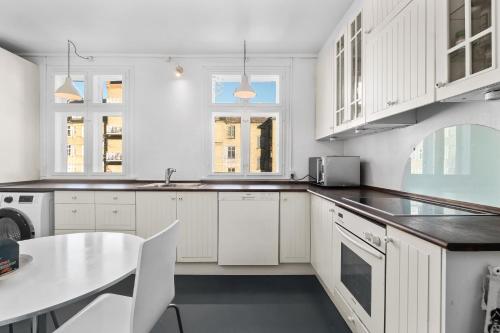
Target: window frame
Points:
x,y
91,112
246,110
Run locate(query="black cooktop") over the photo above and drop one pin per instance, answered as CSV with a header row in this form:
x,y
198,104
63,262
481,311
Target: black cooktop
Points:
x,y
408,207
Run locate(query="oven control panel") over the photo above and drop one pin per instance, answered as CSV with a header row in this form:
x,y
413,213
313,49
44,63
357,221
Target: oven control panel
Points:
x,y
370,232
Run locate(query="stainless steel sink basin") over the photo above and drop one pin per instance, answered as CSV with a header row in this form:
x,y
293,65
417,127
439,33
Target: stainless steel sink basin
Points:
x,y
174,185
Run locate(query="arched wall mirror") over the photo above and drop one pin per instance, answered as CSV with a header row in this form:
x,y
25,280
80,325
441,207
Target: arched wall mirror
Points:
x,y
458,162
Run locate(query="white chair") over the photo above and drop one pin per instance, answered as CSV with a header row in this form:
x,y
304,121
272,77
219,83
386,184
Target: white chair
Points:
x,y
153,291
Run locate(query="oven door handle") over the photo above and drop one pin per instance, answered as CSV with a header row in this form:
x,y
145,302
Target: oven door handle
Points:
x,y
360,245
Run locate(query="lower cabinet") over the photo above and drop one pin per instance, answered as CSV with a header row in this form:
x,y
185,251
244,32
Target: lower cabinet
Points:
x,y
322,221
197,212
413,284
115,217
295,227
74,216
154,212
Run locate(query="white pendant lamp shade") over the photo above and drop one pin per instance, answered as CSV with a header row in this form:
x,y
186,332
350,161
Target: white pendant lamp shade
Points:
x,y
245,90
68,91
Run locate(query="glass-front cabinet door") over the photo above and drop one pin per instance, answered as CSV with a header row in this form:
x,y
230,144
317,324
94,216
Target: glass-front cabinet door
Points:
x,y
466,44
355,63
340,89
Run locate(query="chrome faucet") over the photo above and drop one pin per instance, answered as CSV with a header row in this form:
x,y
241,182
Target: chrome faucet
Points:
x,y
168,175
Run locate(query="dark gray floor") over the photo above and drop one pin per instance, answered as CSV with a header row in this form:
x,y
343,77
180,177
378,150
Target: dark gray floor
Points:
x,y
238,304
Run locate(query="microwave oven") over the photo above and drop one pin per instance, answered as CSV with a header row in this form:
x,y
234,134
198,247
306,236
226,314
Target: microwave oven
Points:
x,y
335,170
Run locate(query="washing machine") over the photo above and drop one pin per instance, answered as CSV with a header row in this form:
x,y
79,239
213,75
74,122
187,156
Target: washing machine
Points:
x,y
26,215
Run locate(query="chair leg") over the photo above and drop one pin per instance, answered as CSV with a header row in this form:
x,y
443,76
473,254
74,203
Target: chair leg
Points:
x,y
54,319
11,328
178,314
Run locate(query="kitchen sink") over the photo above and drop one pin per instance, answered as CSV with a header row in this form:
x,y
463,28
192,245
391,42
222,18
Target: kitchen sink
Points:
x,y
173,185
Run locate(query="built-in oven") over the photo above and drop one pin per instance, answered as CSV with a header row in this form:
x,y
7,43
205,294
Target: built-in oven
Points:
x,y
359,257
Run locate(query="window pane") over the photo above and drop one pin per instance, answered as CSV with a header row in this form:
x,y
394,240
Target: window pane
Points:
x,y
480,16
69,144
481,53
108,89
78,83
457,64
111,159
223,87
266,88
264,144
226,144
456,22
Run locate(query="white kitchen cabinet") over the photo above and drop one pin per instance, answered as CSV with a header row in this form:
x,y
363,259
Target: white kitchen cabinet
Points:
x,y
322,213
197,212
400,70
154,212
413,280
115,217
377,13
466,41
324,93
295,227
74,197
115,198
74,216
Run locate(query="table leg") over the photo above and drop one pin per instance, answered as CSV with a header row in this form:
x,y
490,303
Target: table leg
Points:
x,y
42,323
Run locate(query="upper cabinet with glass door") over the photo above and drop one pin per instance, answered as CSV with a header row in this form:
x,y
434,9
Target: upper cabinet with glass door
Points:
x,y
349,111
466,54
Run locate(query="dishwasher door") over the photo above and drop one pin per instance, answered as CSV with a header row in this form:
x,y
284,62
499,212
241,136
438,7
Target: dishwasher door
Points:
x,y
248,228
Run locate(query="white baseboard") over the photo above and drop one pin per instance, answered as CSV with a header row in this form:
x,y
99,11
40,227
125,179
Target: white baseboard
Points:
x,y
215,269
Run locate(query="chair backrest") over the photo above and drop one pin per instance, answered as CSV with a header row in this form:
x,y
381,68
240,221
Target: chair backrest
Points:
x,y
154,280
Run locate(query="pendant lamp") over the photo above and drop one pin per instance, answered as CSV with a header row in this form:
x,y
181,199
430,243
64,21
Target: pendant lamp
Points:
x,y
244,91
68,90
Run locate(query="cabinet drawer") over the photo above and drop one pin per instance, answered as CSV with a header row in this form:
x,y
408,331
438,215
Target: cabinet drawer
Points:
x,y
74,197
115,198
77,216
115,217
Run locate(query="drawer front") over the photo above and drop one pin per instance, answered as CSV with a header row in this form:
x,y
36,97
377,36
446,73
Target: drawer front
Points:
x,y
115,217
74,197
115,198
74,217
128,232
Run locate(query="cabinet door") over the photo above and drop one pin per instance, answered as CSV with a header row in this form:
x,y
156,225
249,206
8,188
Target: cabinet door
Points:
x,y
340,82
327,264
295,228
197,212
324,93
466,55
400,63
379,12
154,212
115,217
315,232
74,216
413,280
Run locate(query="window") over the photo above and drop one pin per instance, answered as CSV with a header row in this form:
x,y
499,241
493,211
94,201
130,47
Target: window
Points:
x,y
231,152
247,136
89,135
231,131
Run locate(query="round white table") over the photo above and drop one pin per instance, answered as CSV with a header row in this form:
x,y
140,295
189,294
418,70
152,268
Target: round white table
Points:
x,y
64,269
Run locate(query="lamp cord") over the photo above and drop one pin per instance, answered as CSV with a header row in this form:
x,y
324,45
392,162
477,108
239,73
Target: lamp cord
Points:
x,y
90,58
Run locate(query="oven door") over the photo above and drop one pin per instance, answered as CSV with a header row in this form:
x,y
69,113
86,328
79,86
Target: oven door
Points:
x,y
360,278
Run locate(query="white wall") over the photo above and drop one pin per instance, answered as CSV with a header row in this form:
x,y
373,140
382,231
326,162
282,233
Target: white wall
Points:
x,y
170,126
19,119
384,155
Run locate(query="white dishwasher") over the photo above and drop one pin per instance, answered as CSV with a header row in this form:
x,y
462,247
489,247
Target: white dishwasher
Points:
x,y
248,228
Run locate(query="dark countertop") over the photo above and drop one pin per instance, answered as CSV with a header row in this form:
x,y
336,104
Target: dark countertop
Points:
x,y
455,233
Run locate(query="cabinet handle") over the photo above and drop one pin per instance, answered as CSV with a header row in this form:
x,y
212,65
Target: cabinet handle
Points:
x,y
391,103
388,240
341,215
351,319
285,199
173,199
180,199
368,31
74,197
331,210
440,84
115,211
115,198
74,211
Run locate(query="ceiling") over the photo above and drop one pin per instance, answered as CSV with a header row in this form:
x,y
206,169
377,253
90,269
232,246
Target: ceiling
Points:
x,y
169,26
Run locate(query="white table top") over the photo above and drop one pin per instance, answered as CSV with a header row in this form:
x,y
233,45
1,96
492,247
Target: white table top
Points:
x,y
65,268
